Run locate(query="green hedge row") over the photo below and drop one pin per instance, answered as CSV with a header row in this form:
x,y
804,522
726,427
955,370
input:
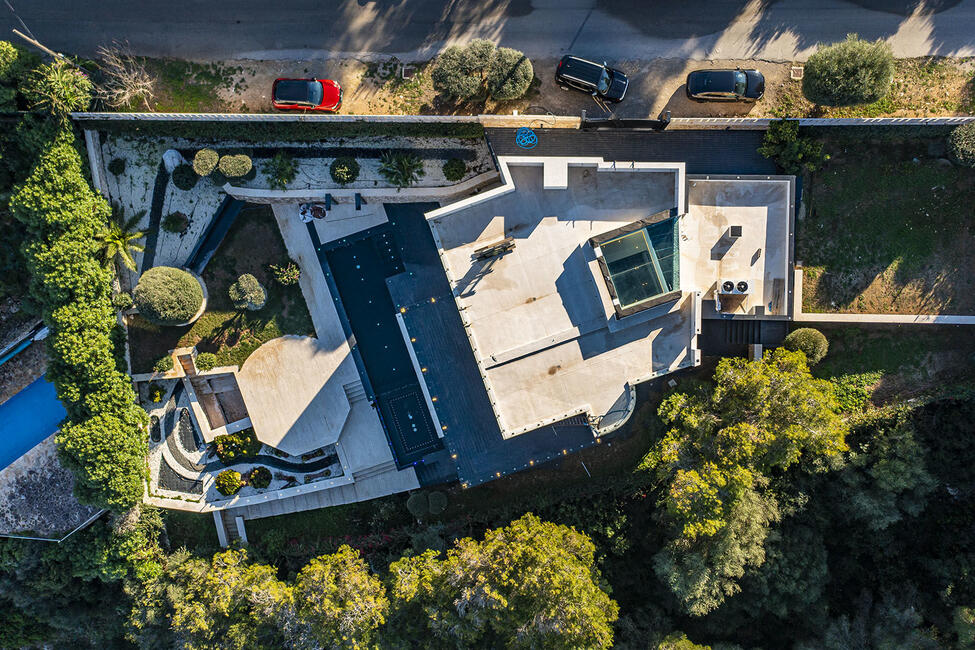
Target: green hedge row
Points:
x,y
286,131
103,439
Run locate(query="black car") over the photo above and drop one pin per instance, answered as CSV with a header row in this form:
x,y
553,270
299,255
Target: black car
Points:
x,y
725,85
597,79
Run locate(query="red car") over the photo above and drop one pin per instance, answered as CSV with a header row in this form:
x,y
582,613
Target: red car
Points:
x,y
306,94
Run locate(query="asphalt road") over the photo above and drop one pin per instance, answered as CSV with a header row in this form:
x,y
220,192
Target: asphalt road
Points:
x,y
417,29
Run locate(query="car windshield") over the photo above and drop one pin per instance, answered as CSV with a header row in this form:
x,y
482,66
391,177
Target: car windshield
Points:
x,y
604,80
741,82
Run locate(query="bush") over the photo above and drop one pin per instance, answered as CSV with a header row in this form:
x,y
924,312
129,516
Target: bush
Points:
x,y
260,477
509,75
165,364
59,88
235,165
205,161
287,274
809,341
460,70
418,504
344,170
117,166
156,392
184,178
228,482
247,293
454,169
206,361
234,447
121,301
175,222
281,170
438,502
851,72
168,296
792,153
401,169
961,144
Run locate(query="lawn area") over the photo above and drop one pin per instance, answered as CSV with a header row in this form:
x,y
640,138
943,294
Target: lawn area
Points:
x,y
922,87
190,87
888,229
252,244
196,532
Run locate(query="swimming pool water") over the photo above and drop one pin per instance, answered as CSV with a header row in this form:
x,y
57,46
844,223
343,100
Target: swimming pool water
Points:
x,y
27,418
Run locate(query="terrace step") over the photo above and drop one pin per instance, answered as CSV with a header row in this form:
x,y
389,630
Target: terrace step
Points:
x,y
375,470
229,525
354,391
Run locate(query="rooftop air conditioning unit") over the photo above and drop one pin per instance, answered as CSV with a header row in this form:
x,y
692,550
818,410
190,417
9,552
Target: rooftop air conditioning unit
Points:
x,y
732,292
734,287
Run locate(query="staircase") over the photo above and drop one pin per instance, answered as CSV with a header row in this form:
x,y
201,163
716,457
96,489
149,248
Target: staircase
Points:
x,y
230,526
743,332
354,392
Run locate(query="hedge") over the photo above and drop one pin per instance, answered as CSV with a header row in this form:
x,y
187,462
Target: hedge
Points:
x,y
103,439
286,131
961,144
167,296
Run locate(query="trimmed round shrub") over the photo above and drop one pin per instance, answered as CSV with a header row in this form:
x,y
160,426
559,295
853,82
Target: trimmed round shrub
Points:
x,y
228,482
165,364
460,69
509,75
418,504
205,161
175,222
184,178
850,72
247,293
117,166
810,341
121,301
217,178
454,169
961,144
438,502
168,296
235,165
344,170
206,361
260,477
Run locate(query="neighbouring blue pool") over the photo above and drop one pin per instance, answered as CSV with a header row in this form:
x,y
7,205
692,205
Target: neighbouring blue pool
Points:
x,y
27,418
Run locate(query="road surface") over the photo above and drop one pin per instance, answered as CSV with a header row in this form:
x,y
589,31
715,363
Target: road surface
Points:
x,y
778,30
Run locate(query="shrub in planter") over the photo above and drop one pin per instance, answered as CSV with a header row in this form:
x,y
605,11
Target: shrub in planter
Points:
x,y
454,169
167,296
175,222
418,504
247,293
260,477
808,340
205,161
401,169
850,72
287,274
281,170
344,170
235,165
228,482
184,178
233,447
438,502
121,301
156,392
791,152
206,361
961,144
509,74
117,166
165,364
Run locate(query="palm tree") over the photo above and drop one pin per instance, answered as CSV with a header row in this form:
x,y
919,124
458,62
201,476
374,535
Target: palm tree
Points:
x,y
119,238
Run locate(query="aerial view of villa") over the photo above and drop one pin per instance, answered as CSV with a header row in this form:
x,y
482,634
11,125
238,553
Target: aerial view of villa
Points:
x,y
426,325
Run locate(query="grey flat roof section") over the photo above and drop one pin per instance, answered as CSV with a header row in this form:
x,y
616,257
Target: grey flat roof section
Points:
x,y
704,152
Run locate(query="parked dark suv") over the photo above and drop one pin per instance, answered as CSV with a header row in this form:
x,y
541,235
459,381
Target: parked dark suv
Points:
x,y
597,79
725,85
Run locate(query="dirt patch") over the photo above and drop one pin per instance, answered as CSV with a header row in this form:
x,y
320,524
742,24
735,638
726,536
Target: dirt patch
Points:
x,y
20,371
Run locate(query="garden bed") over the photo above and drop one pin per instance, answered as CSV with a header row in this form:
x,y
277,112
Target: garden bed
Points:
x,y
251,245
888,229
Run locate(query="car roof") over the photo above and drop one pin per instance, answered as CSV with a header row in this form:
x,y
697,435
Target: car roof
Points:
x,y
703,81
582,69
293,90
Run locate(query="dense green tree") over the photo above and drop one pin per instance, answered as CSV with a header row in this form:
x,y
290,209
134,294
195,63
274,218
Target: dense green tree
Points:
x,y
338,602
529,584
